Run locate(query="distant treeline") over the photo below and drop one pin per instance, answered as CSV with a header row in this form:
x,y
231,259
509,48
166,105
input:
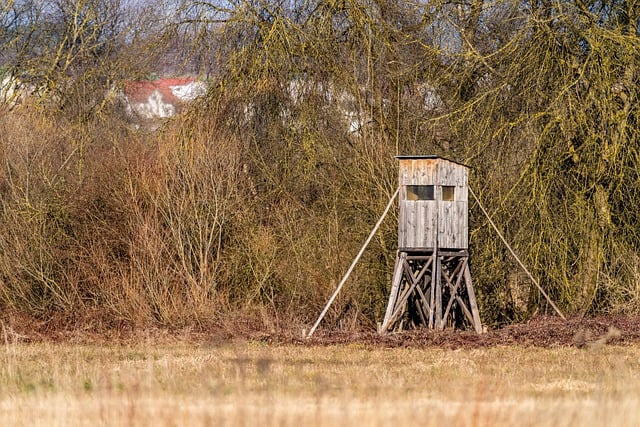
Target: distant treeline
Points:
x,y
248,208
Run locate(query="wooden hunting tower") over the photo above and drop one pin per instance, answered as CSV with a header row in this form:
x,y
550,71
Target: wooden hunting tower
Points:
x,y
432,283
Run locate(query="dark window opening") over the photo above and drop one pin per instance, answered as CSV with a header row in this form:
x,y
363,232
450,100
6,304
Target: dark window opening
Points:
x,y
448,193
420,192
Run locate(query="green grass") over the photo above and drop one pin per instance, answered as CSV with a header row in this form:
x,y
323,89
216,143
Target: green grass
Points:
x,y
248,383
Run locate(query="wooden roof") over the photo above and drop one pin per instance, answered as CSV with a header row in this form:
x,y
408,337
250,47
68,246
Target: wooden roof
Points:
x,y
427,156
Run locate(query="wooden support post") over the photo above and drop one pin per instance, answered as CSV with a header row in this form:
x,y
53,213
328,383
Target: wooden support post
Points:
x,y
432,300
438,285
395,289
472,299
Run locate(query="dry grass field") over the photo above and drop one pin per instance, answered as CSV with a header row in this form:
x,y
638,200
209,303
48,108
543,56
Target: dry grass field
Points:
x,y
252,383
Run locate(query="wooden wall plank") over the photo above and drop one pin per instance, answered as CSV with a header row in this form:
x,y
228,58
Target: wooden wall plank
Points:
x,y
427,224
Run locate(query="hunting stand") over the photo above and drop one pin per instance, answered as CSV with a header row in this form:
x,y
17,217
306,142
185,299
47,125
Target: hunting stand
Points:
x,y
432,284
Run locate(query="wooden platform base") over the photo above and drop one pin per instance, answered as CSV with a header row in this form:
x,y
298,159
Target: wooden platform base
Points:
x,y
431,289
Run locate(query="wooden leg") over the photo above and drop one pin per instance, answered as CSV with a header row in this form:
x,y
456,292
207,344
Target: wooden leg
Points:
x,y
432,299
395,290
472,300
438,286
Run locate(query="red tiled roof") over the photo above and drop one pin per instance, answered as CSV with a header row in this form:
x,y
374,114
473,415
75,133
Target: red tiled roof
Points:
x,y
140,91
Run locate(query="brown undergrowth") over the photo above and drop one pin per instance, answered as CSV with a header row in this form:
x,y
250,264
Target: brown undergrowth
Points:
x,y
541,331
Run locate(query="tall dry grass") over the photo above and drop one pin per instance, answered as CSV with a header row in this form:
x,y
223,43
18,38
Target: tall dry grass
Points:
x,y
241,383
